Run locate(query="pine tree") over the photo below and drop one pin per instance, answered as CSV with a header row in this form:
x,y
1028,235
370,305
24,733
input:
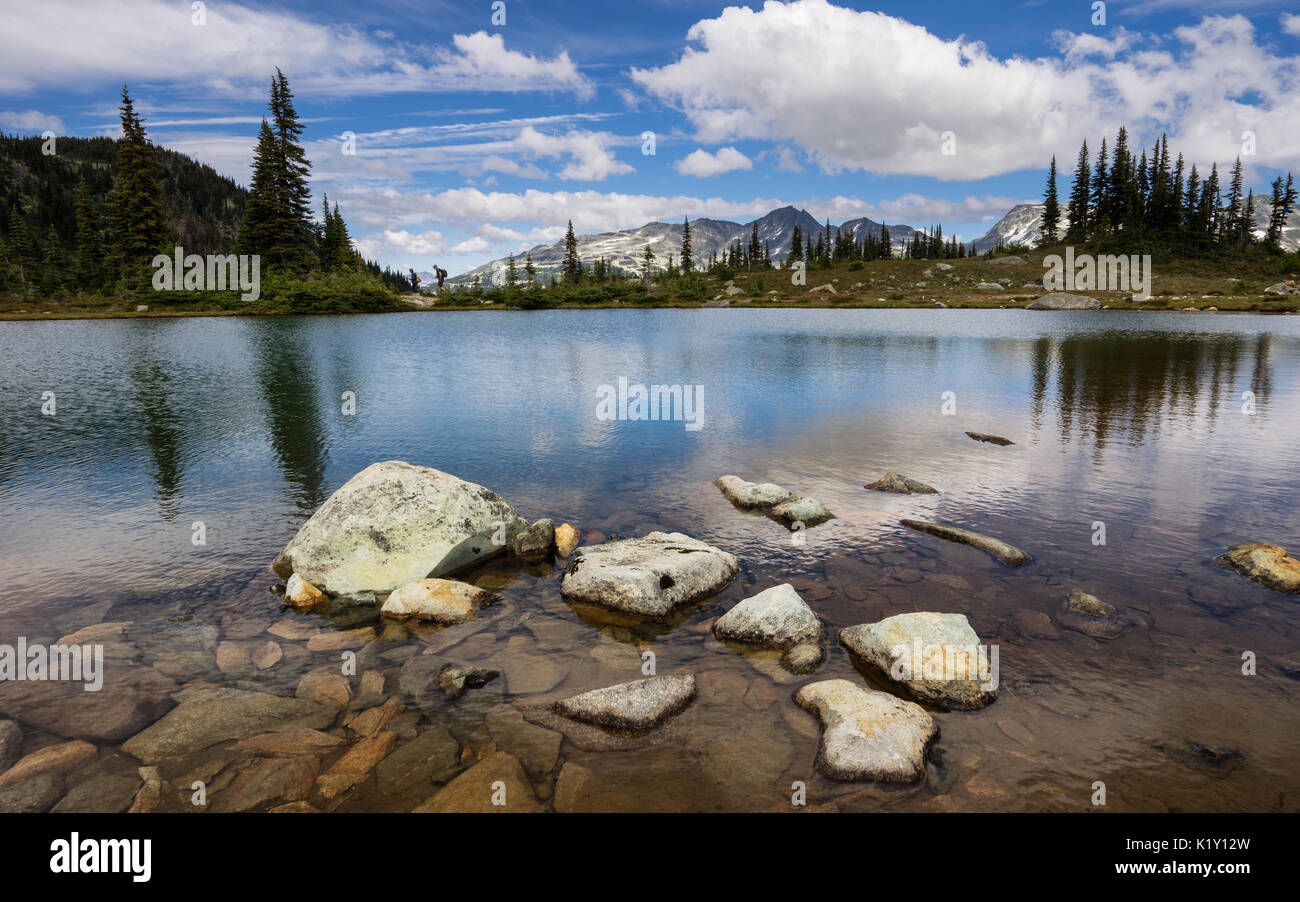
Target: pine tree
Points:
x,y
755,247
137,224
796,245
1099,218
21,252
1080,194
512,272
529,270
295,168
1210,203
52,265
277,220
688,259
572,265
90,246
647,263
1284,198
1051,209
1234,223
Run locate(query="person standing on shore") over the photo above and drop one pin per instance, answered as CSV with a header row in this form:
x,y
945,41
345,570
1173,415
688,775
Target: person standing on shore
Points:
x,y
415,280
442,276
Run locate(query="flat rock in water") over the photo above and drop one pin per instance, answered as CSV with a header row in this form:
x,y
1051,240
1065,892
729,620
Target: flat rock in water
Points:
x,y
100,794
496,784
395,522
131,697
1061,300
437,600
1093,617
866,734
649,576
808,511
1007,554
990,439
1268,565
935,658
537,748
208,716
774,618
752,495
635,707
901,485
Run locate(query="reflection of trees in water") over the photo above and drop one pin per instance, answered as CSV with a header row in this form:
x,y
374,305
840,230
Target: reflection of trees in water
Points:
x,y
1128,387
161,428
288,381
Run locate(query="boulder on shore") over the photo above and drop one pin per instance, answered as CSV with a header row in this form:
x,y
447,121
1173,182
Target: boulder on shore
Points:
x,y
901,485
1063,300
637,706
1268,565
1007,554
648,577
395,522
774,618
866,734
935,658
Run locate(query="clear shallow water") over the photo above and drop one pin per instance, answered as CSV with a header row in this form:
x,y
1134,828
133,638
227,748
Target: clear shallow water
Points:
x,y
1131,419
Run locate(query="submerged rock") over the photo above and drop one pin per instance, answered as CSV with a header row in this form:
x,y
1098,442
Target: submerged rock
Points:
x,y
867,735
901,485
636,706
395,522
804,658
454,680
438,600
649,576
990,439
537,748
1091,616
752,495
774,618
131,697
208,716
1268,565
1061,300
935,658
497,783
1007,554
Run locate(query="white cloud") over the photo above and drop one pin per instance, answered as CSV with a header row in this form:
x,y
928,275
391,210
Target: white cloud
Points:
x,y
589,158
796,73
30,121
399,242
239,47
474,245
703,164
1291,24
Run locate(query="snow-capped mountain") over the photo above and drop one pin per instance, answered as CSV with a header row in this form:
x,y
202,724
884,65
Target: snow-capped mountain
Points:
x,y
1023,225
624,250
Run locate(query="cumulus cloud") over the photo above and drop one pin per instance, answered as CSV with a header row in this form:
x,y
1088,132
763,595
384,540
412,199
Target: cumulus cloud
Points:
x,y
239,46
30,121
1291,24
475,245
703,164
401,242
795,73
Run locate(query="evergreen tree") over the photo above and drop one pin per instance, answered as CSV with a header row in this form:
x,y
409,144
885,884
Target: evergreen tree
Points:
x,y
1284,197
137,224
1099,218
1234,223
22,254
1051,209
90,246
688,259
1080,196
796,245
512,272
529,270
647,263
572,265
277,221
52,266
755,248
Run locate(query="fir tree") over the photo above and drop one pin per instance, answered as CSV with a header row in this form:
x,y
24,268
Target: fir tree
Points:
x,y
647,263
529,270
1051,209
1080,196
572,265
512,272
90,246
137,224
688,260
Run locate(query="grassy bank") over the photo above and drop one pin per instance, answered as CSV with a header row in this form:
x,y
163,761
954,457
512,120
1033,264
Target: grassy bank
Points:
x,y
1176,285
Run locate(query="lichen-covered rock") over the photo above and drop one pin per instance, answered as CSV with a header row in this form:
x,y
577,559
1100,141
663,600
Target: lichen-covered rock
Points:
x,y
648,577
634,707
804,658
1004,552
395,522
774,618
752,495
1083,603
935,658
538,540
438,600
1093,617
867,735
808,511
1268,565
901,485
1061,300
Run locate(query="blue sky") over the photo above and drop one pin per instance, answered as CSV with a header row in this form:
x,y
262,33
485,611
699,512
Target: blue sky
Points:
x,y
474,138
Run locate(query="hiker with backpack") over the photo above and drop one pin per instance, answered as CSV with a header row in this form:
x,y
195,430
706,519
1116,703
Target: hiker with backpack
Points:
x,y
415,280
